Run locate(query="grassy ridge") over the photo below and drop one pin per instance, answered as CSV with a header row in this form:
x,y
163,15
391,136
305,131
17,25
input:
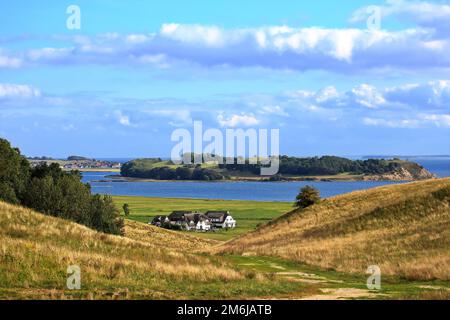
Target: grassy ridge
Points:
x,y
405,229
153,263
248,214
35,251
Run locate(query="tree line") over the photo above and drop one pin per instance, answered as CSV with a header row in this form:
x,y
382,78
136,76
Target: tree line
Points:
x,y
193,172
326,165
52,191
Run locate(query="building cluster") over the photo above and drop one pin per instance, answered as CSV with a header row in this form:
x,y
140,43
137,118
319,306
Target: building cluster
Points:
x,y
91,164
195,221
77,164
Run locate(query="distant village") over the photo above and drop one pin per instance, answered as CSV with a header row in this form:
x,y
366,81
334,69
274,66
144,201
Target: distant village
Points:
x,y
76,163
195,221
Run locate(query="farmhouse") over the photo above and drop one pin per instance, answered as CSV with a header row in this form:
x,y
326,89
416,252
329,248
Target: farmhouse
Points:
x,y
221,219
195,221
159,221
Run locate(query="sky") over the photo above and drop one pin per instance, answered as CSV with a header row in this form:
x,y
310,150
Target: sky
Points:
x,y
340,78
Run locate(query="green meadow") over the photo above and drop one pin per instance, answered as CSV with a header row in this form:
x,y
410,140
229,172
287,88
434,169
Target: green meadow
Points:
x,y
248,214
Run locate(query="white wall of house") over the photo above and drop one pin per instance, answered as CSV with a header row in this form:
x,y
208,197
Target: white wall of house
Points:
x,y
229,222
203,226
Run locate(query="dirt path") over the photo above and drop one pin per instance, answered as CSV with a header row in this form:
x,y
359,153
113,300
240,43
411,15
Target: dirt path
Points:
x,y
341,293
327,293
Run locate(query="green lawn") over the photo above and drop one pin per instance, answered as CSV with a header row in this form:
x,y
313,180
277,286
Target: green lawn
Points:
x,y
314,278
248,214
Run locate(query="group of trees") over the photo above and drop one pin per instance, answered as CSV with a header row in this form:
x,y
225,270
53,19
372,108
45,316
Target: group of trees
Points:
x,y
155,168
50,190
187,172
326,165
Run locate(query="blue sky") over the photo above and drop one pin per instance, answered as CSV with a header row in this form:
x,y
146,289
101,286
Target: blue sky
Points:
x,y
137,70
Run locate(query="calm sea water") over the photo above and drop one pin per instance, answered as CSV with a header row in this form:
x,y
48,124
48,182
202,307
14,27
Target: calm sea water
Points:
x,y
260,191
437,165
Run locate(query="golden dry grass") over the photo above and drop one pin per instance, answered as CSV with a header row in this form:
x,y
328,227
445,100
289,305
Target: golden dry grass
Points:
x,y
35,251
165,238
404,229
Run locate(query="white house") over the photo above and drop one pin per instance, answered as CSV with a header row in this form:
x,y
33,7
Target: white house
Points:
x,y
203,225
221,219
229,222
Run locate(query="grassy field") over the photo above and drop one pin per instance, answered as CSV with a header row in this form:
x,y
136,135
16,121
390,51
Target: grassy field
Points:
x,y
35,251
248,214
319,253
404,229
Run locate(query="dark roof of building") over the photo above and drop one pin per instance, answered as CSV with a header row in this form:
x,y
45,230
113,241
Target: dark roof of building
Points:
x,y
195,217
183,212
217,214
180,215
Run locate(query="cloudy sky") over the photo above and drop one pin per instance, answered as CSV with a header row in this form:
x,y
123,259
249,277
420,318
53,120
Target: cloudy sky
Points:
x,y
331,76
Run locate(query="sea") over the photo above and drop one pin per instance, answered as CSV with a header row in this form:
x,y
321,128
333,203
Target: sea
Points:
x,y
243,190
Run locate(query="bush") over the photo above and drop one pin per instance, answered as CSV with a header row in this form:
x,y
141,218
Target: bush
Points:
x,y
126,209
308,196
104,215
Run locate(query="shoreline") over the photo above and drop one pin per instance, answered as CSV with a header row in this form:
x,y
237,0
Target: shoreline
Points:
x,y
341,178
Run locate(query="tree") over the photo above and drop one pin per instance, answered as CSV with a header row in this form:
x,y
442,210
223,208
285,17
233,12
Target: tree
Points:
x,y
50,190
308,196
105,216
14,173
126,209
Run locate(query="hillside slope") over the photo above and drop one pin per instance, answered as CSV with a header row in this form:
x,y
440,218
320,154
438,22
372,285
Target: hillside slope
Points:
x,y
168,239
404,229
35,251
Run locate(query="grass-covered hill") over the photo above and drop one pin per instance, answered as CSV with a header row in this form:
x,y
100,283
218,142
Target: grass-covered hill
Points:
x,y
290,168
152,263
404,229
36,249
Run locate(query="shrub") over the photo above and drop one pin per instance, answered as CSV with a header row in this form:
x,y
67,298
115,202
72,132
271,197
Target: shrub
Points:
x,y
308,196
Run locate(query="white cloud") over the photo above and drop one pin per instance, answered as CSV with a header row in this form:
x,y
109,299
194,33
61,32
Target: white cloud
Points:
x,y
421,96
210,36
326,94
157,60
137,38
9,62
177,117
14,91
391,123
272,47
236,120
273,110
367,96
424,14
438,119
48,54
433,94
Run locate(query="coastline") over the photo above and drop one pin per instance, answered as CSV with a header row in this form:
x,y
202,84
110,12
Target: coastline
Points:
x,y
337,178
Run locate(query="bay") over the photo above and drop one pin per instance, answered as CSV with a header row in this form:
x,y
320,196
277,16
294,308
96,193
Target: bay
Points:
x,y
243,190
